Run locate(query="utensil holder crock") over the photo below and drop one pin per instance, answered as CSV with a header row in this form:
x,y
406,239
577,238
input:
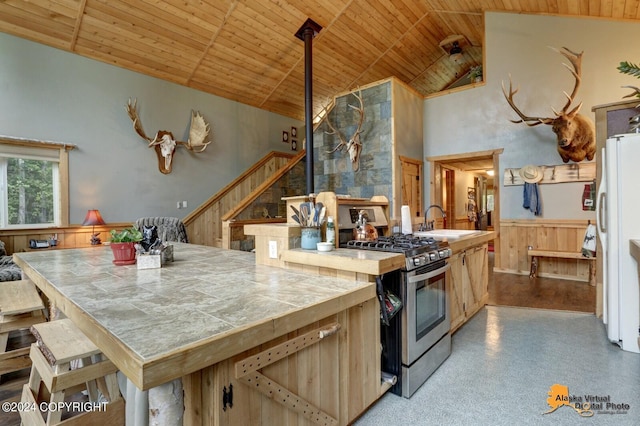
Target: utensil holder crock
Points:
x,y
309,237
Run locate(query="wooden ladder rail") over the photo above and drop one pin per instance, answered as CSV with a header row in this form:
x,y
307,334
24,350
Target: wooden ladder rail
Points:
x,y
247,372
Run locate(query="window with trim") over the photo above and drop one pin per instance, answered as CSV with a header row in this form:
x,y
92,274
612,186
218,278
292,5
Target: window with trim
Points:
x,y
33,184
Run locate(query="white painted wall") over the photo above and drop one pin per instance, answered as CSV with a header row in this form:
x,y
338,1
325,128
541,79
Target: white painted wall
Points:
x,y
48,94
516,44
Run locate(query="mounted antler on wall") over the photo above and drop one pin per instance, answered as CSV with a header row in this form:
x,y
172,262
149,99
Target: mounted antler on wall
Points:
x,y
354,145
575,132
165,144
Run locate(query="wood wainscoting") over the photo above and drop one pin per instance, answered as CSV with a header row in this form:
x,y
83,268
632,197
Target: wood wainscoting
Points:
x,y
542,234
68,237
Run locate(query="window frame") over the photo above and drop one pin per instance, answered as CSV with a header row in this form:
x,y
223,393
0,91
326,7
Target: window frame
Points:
x,y
27,147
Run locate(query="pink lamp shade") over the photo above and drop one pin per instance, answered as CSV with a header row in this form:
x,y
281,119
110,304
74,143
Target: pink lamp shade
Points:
x,y
93,218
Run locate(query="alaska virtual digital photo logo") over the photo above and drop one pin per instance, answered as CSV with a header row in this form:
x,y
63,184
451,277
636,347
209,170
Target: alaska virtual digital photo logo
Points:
x,y
585,405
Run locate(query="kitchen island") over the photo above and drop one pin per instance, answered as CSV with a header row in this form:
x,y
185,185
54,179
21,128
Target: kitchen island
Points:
x,y
206,317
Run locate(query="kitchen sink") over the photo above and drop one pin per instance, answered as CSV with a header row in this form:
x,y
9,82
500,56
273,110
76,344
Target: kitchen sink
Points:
x,y
449,234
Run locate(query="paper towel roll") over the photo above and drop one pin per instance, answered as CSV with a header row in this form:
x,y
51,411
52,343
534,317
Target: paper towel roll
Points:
x,y
406,220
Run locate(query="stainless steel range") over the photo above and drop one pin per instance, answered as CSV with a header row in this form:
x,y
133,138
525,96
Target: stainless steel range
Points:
x,y
417,340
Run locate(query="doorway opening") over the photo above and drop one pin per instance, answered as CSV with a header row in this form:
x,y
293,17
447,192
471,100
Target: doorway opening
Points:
x,y
466,187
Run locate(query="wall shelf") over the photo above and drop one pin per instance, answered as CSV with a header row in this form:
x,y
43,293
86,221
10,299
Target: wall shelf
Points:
x,y
561,173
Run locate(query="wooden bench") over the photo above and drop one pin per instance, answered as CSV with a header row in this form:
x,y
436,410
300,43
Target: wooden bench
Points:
x,y
20,308
535,254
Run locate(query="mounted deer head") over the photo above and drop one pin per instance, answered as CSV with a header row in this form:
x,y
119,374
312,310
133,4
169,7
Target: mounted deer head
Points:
x,y
575,132
354,145
164,142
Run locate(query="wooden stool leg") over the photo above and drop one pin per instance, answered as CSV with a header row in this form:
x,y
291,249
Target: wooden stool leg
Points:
x,y
592,273
92,387
534,267
4,338
34,380
55,416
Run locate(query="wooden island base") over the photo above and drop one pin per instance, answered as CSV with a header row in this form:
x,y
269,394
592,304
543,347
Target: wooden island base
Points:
x,y
324,373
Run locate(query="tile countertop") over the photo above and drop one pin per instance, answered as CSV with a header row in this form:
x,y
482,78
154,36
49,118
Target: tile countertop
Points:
x,y
206,306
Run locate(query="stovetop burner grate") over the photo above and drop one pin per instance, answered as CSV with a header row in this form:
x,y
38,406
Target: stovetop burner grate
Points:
x,y
398,243
418,251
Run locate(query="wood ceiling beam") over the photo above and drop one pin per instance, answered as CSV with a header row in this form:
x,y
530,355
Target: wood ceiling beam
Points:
x,y
214,37
76,28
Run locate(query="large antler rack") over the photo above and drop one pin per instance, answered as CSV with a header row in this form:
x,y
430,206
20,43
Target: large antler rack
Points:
x,y
164,143
576,70
353,146
132,111
198,132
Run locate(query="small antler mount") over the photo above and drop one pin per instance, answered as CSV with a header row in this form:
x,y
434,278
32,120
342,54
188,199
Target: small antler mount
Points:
x,y
353,146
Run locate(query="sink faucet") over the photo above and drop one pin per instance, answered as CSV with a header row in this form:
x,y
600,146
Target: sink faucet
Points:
x,y
429,226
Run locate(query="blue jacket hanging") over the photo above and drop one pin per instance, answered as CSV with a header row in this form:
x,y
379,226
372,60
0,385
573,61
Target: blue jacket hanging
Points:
x,y
531,198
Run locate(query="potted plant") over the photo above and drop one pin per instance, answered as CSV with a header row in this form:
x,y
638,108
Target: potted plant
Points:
x,y
634,70
123,245
475,74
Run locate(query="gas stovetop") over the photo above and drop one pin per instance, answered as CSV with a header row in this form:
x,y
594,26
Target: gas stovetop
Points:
x,y
418,251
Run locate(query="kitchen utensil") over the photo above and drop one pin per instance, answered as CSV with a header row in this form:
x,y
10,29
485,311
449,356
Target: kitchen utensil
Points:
x,y
296,218
304,212
323,212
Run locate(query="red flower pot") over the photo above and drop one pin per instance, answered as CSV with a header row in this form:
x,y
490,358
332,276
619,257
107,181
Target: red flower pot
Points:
x,y
124,253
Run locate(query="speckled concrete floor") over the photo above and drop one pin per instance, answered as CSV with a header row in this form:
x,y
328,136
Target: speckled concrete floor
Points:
x,y
502,366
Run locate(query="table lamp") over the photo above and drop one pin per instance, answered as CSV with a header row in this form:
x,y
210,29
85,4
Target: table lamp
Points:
x,y
93,218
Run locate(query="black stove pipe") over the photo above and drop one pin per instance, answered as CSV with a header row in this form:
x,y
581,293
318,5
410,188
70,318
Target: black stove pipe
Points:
x,y
307,31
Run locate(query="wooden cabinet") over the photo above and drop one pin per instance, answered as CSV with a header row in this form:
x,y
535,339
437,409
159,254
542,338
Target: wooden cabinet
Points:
x,y
295,379
467,283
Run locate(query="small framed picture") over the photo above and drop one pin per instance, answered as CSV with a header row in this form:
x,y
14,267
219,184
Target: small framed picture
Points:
x,y
285,137
294,145
294,132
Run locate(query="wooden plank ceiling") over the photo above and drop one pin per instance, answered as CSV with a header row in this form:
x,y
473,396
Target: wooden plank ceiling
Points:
x,y
246,51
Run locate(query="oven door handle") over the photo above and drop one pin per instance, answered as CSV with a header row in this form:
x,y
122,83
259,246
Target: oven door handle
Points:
x,y
428,275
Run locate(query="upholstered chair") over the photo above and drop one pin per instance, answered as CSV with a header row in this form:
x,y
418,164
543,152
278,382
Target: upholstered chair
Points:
x,y
9,271
169,228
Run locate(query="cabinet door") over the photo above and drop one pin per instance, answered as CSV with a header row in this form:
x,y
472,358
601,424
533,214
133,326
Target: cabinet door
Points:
x,y
477,272
457,277
339,376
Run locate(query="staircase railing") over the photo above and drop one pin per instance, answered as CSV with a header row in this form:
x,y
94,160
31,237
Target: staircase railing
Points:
x,y
245,211
204,224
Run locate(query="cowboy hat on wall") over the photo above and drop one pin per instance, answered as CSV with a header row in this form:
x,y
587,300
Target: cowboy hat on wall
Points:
x,y
531,173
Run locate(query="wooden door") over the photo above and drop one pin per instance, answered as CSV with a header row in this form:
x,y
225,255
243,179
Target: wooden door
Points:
x,y
411,184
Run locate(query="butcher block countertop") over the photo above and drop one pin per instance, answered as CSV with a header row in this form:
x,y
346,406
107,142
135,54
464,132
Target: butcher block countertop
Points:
x,y
368,261
471,240
361,261
160,324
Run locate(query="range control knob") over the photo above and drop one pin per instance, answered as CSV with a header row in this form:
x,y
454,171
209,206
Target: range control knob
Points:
x,y
433,256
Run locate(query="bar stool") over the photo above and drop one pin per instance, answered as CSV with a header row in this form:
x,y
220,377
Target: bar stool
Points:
x,y
59,343
20,308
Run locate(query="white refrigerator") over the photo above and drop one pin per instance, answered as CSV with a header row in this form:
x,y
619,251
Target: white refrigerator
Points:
x,y
618,220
